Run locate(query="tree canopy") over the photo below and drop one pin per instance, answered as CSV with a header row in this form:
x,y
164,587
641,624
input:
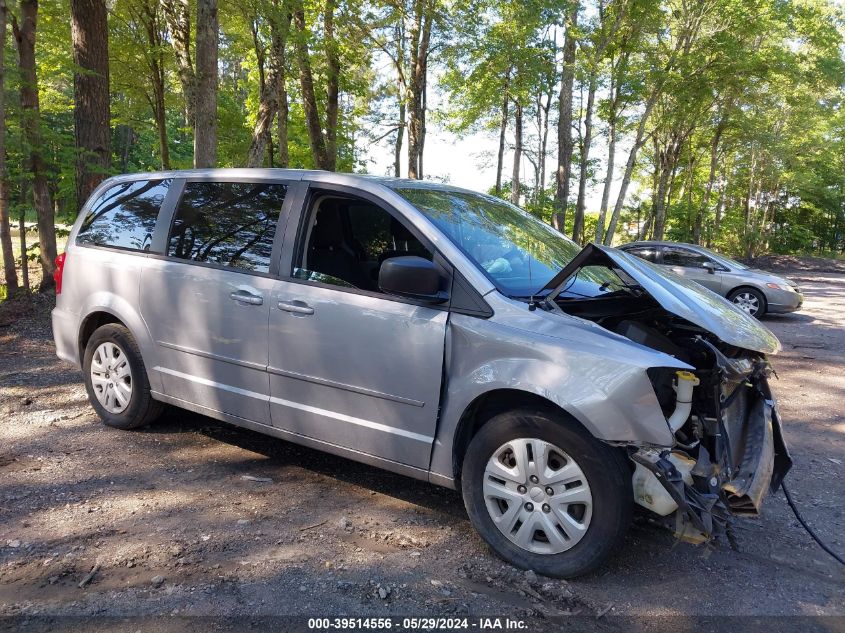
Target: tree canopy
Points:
x,y
719,122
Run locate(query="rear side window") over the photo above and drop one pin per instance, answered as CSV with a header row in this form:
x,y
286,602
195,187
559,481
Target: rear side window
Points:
x,y
227,223
124,216
683,257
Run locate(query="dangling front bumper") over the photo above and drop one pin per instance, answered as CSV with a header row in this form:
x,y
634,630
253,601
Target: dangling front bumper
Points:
x,y
747,458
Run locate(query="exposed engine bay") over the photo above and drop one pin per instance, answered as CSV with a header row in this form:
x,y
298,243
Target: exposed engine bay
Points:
x,y
728,446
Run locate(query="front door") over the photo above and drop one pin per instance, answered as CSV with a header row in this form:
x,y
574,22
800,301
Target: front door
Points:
x,y
690,264
207,303
350,365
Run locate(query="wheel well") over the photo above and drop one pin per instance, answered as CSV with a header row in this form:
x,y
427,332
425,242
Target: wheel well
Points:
x,y
90,324
487,406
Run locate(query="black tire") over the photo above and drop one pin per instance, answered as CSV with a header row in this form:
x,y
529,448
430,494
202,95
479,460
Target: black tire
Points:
x,y
759,296
142,409
608,475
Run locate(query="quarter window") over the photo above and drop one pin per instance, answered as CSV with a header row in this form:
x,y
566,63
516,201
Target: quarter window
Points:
x,y
124,216
227,223
684,258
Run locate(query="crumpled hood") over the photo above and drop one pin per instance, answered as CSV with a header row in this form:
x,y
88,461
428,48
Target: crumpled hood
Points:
x,y
681,297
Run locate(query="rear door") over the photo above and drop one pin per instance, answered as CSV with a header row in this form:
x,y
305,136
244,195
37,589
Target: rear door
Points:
x,y
207,301
350,365
690,264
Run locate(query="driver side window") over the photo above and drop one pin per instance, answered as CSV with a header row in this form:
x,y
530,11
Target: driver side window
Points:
x,y
346,239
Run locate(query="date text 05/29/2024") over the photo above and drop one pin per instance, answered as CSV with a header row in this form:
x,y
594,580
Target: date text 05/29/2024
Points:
x,y
417,624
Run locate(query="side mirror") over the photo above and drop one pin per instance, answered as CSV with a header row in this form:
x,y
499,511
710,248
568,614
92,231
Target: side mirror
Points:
x,y
710,267
411,277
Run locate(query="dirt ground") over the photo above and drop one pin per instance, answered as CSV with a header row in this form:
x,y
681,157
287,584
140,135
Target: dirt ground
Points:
x,y
192,517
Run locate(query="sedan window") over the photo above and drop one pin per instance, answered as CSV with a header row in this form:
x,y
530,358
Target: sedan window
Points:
x,y
682,257
647,253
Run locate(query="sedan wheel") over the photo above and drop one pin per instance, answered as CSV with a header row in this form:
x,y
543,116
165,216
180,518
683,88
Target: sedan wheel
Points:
x,y
749,301
537,496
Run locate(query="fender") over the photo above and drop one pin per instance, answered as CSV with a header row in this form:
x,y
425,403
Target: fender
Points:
x,y
610,394
122,310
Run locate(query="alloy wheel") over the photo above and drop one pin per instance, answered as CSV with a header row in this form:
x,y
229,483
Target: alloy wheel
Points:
x,y
537,496
111,377
748,302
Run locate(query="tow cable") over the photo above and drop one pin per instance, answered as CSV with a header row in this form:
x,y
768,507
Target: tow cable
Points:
x,y
807,527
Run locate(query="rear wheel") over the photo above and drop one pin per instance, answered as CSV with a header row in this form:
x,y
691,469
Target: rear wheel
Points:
x,y
545,494
116,379
750,300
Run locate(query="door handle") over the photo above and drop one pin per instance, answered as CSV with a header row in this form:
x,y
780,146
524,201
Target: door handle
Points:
x,y
296,307
242,296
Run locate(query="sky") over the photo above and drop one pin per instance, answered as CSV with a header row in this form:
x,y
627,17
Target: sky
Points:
x,y
469,161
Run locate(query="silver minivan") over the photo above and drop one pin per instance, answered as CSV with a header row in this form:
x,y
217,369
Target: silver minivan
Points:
x,y
432,331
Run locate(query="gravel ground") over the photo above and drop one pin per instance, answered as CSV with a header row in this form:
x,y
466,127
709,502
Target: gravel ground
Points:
x,y
192,517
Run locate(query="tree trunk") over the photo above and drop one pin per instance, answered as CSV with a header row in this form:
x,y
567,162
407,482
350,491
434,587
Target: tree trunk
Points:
x,y
629,167
667,161
578,224
420,41
89,31
711,179
400,134
423,130
683,42
10,274
205,134
22,239
25,38
608,179
178,16
517,152
282,123
564,126
717,221
269,98
260,50
401,90
279,50
503,127
309,99
332,84
149,17
544,140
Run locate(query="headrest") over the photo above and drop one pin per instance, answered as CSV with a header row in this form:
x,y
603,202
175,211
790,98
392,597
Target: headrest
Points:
x,y
400,232
328,231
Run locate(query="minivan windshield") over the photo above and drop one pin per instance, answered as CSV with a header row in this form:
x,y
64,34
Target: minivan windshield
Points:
x,y
519,253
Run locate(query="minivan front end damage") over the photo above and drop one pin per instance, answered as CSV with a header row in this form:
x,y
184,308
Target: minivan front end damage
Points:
x,y
728,449
728,453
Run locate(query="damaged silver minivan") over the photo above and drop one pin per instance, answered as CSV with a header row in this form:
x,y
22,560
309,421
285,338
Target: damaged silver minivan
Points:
x,y
432,331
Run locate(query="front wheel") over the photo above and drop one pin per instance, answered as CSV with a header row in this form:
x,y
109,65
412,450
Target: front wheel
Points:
x,y
545,494
750,300
116,379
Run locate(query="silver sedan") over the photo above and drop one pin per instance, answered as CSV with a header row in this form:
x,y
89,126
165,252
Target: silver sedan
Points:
x,y
755,291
